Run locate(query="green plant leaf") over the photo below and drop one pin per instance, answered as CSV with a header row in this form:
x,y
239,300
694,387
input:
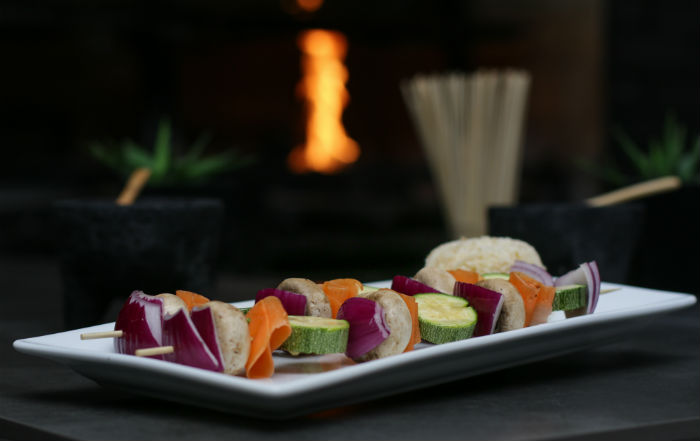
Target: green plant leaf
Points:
x,y
162,151
109,157
207,167
674,142
212,165
639,160
197,148
180,164
689,165
135,156
657,161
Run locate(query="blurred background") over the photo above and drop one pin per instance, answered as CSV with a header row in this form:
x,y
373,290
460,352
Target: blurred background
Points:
x,y
79,79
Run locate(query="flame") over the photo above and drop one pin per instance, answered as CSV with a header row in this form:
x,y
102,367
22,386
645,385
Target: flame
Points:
x,y
328,147
309,5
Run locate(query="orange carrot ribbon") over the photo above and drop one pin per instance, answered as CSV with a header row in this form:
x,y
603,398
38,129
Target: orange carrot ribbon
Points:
x,y
269,328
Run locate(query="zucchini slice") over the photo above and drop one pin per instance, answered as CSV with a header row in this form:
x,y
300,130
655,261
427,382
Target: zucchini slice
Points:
x,y
316,335
444,318
570,297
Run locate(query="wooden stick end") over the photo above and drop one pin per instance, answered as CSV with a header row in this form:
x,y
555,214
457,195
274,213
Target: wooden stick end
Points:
x,y
104,334
160,350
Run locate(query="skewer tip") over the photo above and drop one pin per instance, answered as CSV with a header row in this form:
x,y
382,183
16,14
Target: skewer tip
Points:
x,y
160,350
104,334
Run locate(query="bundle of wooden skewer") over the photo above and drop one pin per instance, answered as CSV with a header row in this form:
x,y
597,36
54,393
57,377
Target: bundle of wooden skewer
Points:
x,y
471,128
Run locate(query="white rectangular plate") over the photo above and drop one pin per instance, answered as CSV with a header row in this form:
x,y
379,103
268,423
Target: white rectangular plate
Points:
x,y
306,384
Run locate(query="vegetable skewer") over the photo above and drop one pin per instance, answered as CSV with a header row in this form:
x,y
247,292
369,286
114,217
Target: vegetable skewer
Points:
x,y
190,329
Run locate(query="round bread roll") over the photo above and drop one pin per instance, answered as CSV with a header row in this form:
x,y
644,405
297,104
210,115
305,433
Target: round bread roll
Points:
x,y
513,311
398,319
437,278
317,303
482,254
171,303
232,334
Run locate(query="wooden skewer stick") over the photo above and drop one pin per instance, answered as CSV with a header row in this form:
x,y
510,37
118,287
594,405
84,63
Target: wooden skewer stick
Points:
x,y
154,351
104,334
636,191
133,186
609,290
159,350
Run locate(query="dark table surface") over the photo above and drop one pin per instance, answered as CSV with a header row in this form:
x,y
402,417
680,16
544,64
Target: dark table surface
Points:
x,y
645,386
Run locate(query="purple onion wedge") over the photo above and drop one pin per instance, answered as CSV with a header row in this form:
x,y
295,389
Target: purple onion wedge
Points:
x,y
367,326
204,322
190,349
487,303
293,303
141,321
592,275
536,272
408,286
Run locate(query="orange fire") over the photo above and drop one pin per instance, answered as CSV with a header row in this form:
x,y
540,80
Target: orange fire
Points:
x,y
309,5
328,147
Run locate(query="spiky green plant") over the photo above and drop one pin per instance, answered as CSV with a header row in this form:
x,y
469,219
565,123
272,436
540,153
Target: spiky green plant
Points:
x,y
671,154
166,167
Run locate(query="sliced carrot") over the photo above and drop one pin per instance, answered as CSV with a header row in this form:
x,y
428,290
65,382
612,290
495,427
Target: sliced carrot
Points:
x,y
339,290
191,299
415,327
537,297
269,328
465,276
543,308
528,288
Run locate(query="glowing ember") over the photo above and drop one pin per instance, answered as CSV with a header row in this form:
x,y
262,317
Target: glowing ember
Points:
x,y
328,148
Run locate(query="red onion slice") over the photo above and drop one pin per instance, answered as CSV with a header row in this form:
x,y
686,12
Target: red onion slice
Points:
x,y
190,349
367,326
573,277
293,303
596,273
536,272
141,320
487,303
592,273
204,322
408,286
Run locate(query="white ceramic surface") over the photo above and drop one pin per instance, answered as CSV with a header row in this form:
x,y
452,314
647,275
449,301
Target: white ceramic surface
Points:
x,y
305,384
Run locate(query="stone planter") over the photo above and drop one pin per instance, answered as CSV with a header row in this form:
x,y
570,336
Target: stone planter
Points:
x,y
668,254
566,235
155,245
